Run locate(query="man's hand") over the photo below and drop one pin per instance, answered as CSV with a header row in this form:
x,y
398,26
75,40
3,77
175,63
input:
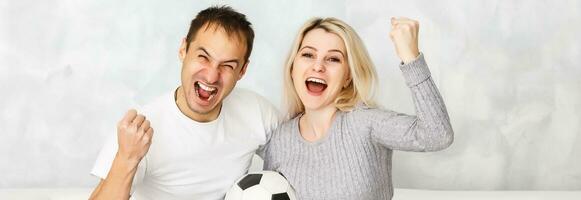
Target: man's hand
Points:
x,y
404,34
133,136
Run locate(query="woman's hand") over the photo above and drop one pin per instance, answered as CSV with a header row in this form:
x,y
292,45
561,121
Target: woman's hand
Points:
x,y
404,34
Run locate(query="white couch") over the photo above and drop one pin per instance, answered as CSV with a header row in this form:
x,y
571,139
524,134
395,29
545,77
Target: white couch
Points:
x,y
400,194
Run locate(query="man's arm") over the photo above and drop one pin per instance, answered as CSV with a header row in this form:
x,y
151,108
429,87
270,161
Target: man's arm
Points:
x,y
134,138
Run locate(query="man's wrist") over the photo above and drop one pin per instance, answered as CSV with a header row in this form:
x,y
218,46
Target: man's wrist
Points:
x,y
125,165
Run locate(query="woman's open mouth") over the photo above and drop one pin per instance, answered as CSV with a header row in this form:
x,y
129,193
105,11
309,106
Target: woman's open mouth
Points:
x,y
316,86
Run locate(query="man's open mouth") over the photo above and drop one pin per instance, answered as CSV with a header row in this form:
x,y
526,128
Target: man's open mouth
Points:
x,y
205,92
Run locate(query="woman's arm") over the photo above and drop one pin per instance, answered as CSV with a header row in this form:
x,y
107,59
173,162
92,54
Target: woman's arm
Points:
x,y
430,130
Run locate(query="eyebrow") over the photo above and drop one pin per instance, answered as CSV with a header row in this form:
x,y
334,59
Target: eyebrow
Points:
x,y
332,50
227,61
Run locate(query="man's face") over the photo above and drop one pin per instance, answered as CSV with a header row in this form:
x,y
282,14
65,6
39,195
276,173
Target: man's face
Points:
x,y
211,66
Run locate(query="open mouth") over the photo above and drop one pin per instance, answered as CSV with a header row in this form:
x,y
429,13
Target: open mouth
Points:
x,y
205,92
316,86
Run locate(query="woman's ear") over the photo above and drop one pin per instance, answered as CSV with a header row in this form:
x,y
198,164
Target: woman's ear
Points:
x,y
347,81
347,84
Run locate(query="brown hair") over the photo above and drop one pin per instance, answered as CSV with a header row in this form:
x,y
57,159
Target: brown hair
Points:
x,y
224,17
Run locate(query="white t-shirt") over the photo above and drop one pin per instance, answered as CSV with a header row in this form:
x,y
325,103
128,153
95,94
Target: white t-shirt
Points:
x,y
193,160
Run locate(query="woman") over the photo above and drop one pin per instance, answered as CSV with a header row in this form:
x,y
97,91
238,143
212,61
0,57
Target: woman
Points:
x,y
337,144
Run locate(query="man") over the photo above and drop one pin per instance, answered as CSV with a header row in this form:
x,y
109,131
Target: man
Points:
x,y
206,132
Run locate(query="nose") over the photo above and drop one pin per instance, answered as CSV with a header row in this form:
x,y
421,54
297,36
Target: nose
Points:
x,y
212,74
319,66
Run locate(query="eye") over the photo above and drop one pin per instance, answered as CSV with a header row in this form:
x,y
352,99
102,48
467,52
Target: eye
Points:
x,y
203,57
307,55
334,59
229,66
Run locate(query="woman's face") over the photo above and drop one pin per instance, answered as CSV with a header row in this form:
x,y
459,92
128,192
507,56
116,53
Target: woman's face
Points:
x,y
320,69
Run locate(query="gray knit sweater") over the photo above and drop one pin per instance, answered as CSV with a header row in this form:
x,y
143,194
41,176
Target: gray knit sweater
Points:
x,y
353,161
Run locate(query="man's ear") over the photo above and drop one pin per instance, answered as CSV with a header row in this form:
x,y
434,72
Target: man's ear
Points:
x,y
183,50
243,70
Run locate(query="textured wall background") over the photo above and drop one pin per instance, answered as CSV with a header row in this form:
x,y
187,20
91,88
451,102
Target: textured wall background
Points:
x,y
510,72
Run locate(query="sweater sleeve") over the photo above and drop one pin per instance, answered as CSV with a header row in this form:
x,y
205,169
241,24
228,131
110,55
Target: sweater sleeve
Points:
x,y
430,130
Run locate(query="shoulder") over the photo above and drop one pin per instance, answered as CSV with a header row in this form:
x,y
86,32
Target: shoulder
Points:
x,y
363,114
158,105
288,125
361,110
285,129
249,101
252,110
242,95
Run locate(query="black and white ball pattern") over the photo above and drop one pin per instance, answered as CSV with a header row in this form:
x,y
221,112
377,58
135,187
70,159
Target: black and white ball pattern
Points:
x,y
265,185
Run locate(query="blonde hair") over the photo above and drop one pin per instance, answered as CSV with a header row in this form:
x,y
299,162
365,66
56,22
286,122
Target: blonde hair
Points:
x,y
362,71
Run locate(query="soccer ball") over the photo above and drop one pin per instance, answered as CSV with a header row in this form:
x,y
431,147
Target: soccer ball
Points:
x,y
264,185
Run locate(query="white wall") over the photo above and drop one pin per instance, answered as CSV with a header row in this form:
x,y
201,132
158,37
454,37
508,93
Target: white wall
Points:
x,y
509,71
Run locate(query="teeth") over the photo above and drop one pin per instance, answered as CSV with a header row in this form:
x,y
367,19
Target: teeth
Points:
x,y
207,88
317,80
209,98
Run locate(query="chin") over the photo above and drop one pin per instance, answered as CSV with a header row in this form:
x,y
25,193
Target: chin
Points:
x,y
199,108
313,105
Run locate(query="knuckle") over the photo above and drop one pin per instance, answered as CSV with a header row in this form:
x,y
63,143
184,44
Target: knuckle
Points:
x,y
122,126
132,128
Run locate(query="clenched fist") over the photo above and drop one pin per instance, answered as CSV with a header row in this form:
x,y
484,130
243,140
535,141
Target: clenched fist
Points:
x,y
133,136
404,34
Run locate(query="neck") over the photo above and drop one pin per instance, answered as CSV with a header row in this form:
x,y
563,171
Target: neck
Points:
x,y
182,104
314,124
